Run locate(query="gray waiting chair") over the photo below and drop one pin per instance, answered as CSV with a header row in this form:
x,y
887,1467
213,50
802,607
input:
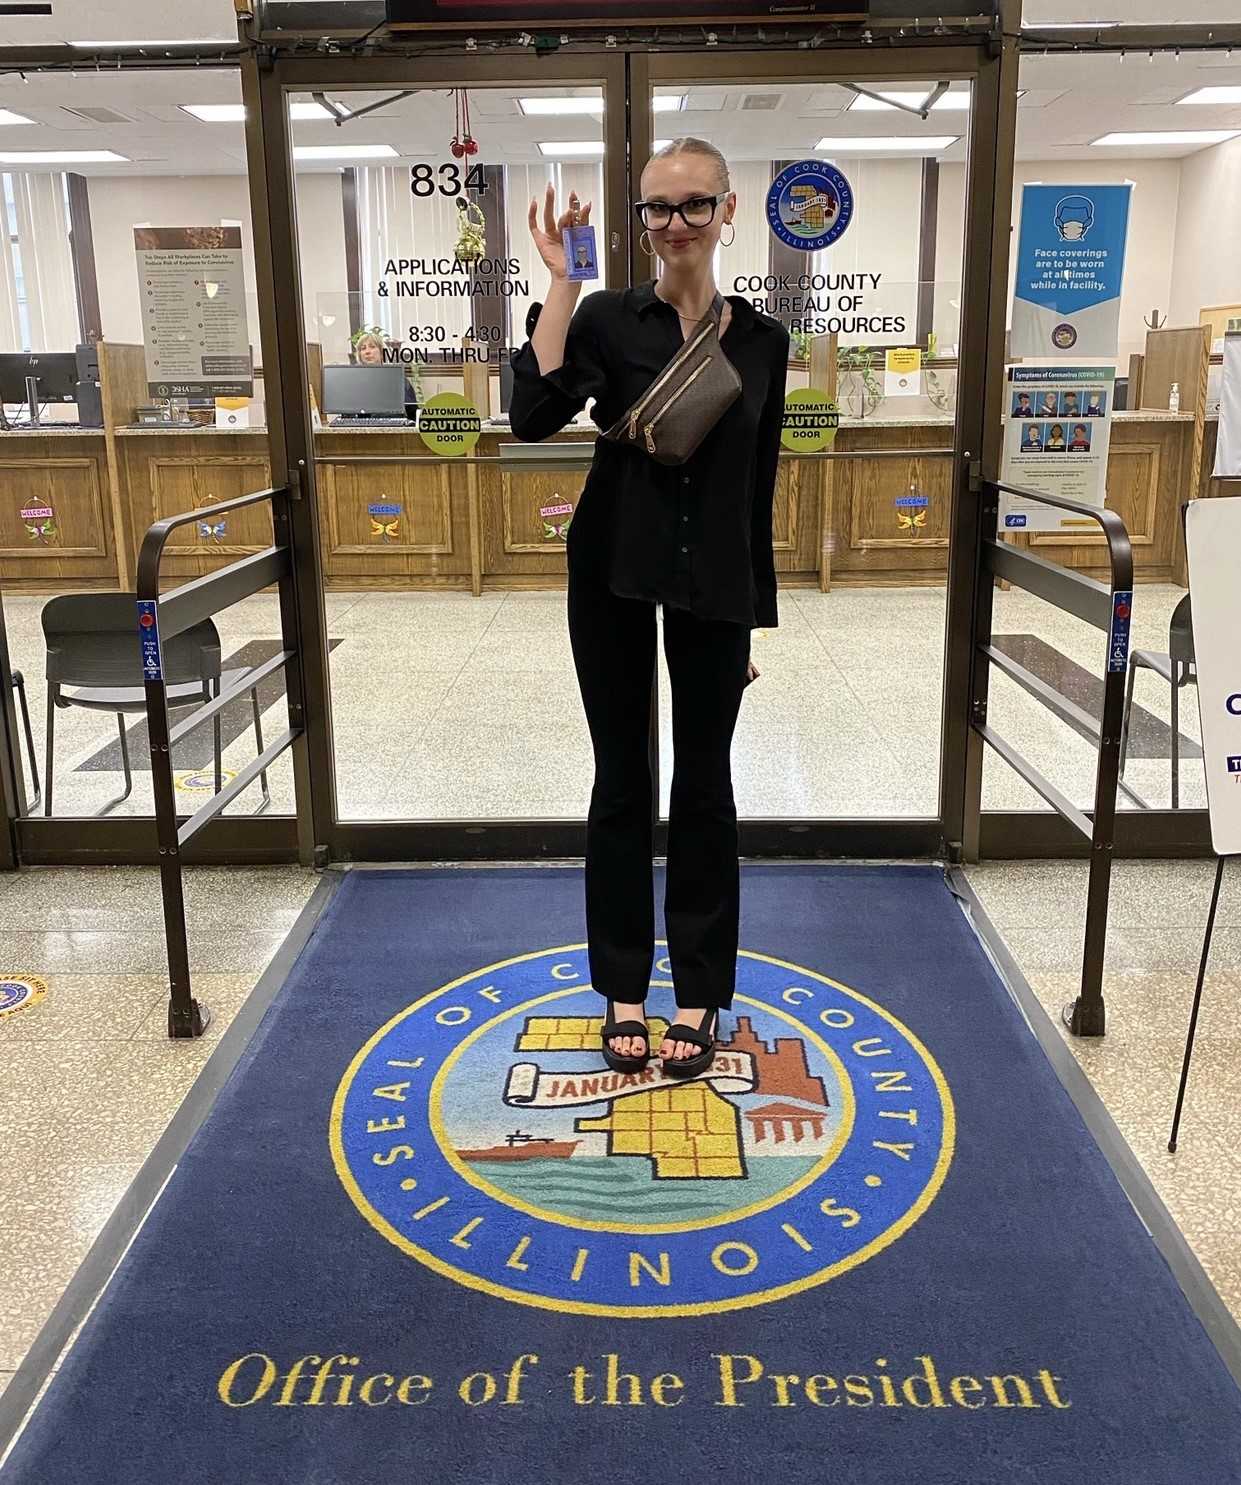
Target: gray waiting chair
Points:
x,y
1178,668
93,647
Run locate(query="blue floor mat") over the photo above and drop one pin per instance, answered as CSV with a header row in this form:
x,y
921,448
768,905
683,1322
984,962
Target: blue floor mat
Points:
x,y
425,1232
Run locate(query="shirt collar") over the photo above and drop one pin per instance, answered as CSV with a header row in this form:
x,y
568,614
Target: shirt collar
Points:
x,y
646,299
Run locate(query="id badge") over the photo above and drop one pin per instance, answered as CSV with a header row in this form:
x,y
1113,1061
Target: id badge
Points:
x,y
579,253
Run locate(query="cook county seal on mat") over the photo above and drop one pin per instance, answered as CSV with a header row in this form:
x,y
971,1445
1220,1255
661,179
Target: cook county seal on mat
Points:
x,y
480,1132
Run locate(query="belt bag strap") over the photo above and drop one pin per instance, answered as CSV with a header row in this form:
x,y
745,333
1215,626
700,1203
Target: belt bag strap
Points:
x,y
686,400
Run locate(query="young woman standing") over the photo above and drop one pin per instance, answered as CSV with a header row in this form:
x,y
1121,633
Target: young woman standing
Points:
x,y
693,537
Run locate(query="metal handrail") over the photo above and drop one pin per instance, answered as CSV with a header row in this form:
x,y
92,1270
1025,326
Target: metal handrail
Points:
x,y
165,617
156,538
1101,606
564,462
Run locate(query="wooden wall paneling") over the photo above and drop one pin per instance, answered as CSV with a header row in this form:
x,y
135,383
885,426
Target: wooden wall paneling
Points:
x,y
1146,472
424,533
520,529
180,483
872,545
1136,365
823,376
80,548
1215,317
122,388
474,515
1182,355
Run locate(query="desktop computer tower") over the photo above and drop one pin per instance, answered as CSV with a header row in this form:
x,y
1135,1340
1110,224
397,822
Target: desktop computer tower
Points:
x,y
89,397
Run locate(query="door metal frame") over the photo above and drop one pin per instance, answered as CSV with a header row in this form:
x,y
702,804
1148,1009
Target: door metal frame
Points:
x,y
626,75
275,62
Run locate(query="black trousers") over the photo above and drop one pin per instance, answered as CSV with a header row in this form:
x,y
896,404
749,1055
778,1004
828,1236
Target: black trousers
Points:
x,y
613,643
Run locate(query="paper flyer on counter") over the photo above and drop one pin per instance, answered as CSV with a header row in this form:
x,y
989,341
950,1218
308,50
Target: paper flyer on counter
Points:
x,y
1056,438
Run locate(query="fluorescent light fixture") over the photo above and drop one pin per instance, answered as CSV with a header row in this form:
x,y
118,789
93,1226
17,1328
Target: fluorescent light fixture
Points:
x,y
894,142
7,116
117,46
572,146
862,104
343,152
548,106
235,113
1068,25
1220,93
60,157
1167,136
560,105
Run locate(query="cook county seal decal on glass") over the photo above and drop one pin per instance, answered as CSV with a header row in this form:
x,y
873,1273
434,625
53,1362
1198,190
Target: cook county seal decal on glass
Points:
x,y
481,1133
809,205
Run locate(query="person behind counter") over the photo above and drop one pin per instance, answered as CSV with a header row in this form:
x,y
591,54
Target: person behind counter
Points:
x,y
370,347
693,537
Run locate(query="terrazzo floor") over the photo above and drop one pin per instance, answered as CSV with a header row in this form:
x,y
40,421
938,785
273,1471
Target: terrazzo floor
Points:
x,y
89,1080
451,706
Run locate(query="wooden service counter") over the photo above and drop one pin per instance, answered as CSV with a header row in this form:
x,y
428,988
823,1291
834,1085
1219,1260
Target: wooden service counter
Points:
x,y
476,526
64,471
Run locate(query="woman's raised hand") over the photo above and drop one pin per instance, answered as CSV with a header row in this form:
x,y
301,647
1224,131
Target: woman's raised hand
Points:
x,y
548,238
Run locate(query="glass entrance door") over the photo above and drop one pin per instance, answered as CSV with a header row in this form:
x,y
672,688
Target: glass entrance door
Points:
x,y
848,230
442,538
450,717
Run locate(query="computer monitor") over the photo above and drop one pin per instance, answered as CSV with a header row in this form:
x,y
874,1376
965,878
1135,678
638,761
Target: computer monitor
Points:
x,y
1120,394
364,389
55,373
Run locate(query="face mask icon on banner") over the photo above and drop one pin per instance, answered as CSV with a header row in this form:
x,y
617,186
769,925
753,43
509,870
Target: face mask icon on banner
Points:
x,y
1074,217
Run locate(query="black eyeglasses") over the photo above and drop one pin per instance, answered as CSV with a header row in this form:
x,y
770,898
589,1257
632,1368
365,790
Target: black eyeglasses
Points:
x,y
696,211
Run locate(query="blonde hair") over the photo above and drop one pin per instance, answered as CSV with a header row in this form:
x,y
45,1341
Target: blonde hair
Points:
x,y
687,144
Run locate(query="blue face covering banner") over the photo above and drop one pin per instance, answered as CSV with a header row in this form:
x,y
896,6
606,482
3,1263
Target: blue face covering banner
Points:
x,y
1070,267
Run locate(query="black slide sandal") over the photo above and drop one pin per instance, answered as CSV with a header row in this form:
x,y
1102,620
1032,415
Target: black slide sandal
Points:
x,y
618,1060
699,1035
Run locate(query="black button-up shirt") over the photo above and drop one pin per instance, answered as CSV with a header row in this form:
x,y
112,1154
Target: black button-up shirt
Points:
x,y
695,535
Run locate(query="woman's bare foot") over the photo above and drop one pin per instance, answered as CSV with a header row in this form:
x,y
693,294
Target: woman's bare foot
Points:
x,y
672,1046
628,1046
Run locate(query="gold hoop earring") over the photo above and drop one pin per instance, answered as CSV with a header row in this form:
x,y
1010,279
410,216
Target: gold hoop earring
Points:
x,y
729,243
649,251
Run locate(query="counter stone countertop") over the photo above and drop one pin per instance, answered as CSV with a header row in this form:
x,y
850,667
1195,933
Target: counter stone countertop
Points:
x,y
921,420
71,431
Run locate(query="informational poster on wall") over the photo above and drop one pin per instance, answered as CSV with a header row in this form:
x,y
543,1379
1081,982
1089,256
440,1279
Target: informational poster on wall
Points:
x,y
1213,545
1056,441
1228,442
1070,267
193,293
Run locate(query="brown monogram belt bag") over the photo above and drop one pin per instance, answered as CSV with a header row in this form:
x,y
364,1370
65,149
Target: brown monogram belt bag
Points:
x,y
686,399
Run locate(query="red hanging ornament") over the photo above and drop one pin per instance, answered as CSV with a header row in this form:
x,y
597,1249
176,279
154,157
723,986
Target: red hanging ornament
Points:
x,y
463,142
